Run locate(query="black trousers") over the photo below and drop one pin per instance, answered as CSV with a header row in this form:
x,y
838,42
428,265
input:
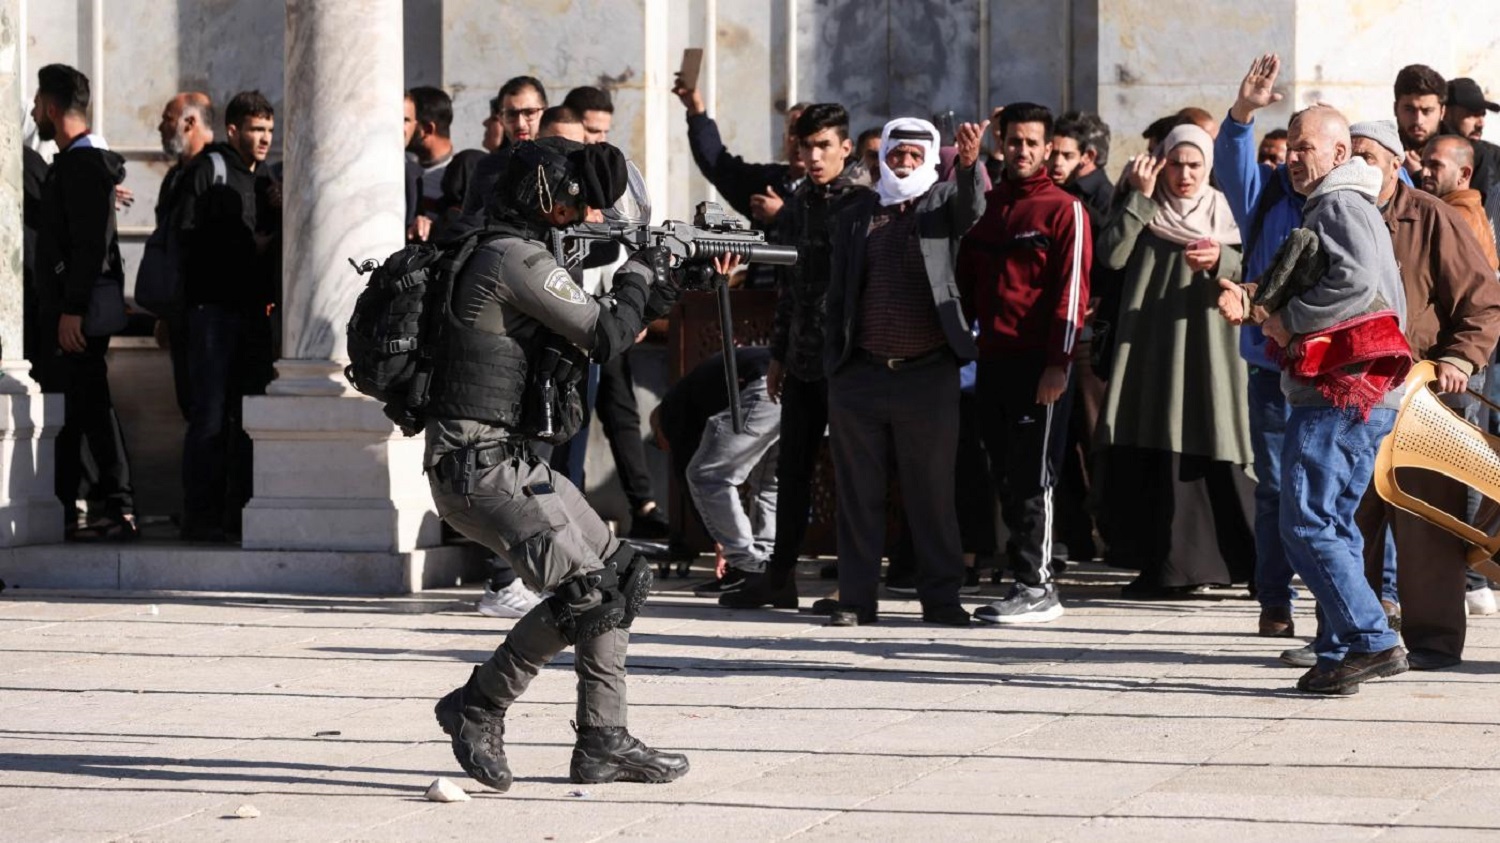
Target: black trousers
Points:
x,y
804,418
973,495
620,417
88,420
1025,441
229,357
877,415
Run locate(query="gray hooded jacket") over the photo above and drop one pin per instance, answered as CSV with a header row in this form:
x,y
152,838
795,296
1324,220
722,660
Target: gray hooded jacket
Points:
x,y
1362,268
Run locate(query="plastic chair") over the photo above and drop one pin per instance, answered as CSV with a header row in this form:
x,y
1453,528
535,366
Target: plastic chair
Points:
x,y
1430,436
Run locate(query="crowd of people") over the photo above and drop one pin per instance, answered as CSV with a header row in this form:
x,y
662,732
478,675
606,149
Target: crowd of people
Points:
x,y
1120,402
981,331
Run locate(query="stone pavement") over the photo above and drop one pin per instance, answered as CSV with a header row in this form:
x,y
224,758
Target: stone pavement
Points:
x,y
1121,721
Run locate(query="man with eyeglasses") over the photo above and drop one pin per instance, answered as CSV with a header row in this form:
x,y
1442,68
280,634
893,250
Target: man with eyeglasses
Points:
x,y
518,109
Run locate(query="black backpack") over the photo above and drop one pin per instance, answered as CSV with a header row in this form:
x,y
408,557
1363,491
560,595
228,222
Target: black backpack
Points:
x,y
395,333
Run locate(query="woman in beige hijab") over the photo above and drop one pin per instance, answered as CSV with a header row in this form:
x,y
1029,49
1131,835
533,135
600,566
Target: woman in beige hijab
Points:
x,y
1172,494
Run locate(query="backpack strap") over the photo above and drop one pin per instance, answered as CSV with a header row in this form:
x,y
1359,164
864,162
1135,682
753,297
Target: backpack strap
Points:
x,y
221,172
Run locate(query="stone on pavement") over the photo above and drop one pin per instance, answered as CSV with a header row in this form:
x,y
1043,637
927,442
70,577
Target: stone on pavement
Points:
x,y
444,790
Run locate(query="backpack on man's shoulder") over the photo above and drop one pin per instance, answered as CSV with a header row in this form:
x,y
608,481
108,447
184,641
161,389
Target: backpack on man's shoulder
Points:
x,y
157,285
395,331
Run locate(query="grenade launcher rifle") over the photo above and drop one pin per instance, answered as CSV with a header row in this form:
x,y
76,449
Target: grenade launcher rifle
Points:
x,y
692,249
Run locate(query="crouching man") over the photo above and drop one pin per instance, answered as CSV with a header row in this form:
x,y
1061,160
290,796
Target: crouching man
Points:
x,y
511,307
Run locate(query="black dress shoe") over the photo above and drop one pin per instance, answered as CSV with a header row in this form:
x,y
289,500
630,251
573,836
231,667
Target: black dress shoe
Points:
x,y
1431,660
1345,676
824,606
852,616
760,591
946,614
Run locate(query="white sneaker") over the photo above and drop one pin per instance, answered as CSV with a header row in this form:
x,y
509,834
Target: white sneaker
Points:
x,y
1480,602
513,601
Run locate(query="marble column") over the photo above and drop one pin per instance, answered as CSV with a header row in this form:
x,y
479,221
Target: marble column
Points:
x,y
29,510
331,473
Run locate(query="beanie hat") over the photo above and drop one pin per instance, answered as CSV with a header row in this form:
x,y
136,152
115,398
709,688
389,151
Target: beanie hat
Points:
x,y
602,170
1382,132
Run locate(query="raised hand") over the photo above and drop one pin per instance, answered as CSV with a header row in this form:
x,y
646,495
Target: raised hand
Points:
x,y
1257,90
691,98
1143,170
765,206
970,137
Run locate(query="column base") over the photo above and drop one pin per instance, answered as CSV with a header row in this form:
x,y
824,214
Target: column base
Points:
x,y
30,512
333,473
182,567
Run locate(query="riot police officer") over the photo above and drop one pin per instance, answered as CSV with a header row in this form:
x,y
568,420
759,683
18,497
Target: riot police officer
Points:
x,y
514,314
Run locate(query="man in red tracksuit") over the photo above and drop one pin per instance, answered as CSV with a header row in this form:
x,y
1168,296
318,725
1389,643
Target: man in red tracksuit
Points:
x,y
1024,272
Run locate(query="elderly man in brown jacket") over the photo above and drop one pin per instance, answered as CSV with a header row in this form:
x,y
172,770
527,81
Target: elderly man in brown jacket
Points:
x,y
1452,317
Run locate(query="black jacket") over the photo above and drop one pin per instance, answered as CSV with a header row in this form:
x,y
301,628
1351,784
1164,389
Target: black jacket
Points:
x,y
735,179
702,394
806,221
221,264
77,238
33,176
483,178
1097,192
945,213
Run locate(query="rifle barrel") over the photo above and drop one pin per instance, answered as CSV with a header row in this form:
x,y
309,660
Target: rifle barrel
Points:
x,y
751,251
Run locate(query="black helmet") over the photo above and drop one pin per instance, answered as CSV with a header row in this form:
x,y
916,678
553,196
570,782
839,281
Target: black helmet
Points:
x,y
556,171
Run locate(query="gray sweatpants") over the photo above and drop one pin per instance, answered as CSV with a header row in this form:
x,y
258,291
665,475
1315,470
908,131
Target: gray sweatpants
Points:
x,y
548,537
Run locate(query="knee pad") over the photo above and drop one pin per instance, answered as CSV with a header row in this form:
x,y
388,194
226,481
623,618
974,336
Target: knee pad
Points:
x,y
635,577
591,604
577,625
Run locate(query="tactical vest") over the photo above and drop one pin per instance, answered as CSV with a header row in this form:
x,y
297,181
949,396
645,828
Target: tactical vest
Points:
x,y
480,376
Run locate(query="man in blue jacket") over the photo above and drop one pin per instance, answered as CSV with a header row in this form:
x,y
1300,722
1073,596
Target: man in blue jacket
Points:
x,y
1267,208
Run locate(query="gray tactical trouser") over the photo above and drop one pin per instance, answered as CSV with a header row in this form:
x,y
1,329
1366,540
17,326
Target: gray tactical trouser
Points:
x,y
548,538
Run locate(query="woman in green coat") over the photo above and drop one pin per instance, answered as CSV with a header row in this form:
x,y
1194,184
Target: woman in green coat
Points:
x,y
1173,497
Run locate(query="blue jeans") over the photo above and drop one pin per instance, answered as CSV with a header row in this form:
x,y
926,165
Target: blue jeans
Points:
x,y
1273,574
1327,460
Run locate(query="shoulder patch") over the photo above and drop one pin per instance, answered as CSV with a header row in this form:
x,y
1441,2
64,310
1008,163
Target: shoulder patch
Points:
x,y
561,286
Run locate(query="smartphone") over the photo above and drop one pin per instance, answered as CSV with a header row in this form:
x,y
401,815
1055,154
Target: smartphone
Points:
x,y
692,65
1201,243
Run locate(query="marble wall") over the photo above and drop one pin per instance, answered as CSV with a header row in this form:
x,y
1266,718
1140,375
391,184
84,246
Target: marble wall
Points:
x,y
1153,61
1132,59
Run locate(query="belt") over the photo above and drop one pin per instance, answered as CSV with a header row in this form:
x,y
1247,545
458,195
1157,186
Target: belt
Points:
x,y
458,467
896,364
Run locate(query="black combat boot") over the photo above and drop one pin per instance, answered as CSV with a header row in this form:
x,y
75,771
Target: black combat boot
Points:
x,y
609,754
478,731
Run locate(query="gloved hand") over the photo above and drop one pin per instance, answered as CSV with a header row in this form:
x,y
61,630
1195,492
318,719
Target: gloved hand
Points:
x,y
666,290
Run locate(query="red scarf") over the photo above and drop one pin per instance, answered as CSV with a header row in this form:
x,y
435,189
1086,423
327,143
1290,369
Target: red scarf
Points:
x,y
1354,363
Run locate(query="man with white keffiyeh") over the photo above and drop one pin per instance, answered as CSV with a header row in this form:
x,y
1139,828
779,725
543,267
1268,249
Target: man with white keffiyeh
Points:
x,y
896,338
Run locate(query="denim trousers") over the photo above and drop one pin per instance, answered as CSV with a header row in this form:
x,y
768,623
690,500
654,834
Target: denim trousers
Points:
x,y
1327,459
1273,574
726,460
